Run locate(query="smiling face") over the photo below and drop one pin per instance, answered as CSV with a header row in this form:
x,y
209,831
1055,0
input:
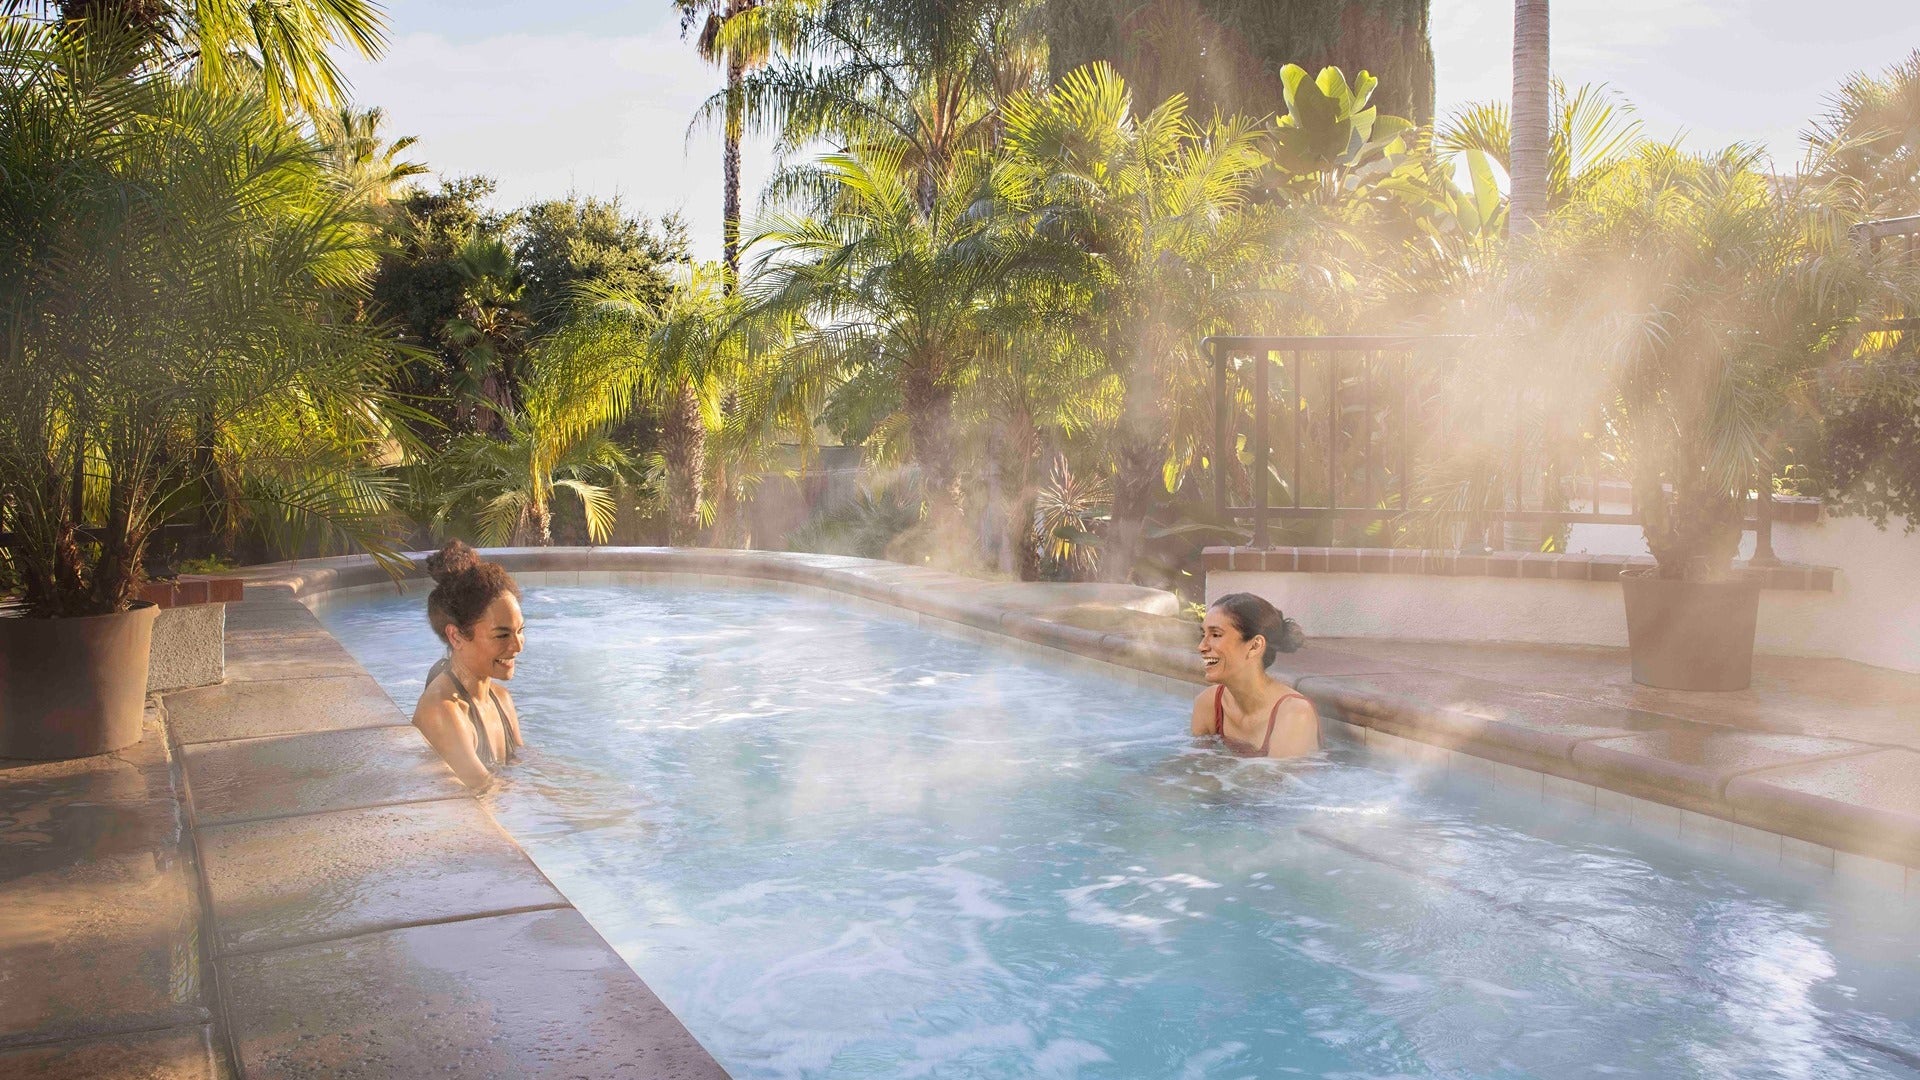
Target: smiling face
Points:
x,y
497,638
1224,653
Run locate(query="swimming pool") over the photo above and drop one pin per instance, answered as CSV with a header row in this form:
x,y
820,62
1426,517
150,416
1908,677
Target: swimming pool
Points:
x,y
839,844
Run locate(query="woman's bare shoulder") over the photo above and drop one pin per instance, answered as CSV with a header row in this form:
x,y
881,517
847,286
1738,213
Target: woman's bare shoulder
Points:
x,y
437,706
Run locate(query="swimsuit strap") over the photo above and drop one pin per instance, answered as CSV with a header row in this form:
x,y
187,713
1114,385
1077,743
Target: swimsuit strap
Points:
x,y
485,747
1273,716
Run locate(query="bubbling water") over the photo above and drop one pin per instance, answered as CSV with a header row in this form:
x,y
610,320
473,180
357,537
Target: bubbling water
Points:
x,y
838,844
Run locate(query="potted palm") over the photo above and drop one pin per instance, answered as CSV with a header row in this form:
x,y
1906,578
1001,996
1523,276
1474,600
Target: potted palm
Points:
x,y
1701,296
176,268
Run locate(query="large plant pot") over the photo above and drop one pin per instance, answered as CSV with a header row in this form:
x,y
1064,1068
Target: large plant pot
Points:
x,y
73,687
1691,635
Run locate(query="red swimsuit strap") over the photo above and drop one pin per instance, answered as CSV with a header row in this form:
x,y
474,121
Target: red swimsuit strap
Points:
x,y
1273,715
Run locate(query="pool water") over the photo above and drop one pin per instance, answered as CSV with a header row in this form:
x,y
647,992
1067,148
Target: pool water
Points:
x,y
840,845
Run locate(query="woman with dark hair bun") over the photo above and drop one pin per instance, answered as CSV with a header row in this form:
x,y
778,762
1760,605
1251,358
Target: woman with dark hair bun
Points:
x,y
464,712
1251,711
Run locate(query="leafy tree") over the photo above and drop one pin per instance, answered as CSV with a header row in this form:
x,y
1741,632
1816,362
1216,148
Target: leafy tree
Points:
x,y
566,247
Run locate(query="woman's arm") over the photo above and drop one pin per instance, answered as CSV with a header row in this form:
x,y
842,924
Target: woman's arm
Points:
x,y
451,736
1296,732
1203,712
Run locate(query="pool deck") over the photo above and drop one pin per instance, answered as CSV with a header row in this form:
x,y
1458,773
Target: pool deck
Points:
x,y
283,880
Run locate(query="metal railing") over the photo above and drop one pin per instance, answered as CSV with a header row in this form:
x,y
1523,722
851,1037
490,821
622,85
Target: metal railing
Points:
x,y
1353,417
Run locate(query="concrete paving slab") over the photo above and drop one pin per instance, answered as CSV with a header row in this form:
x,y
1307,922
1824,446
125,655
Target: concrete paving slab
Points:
x,y
244,779
1458,711
1791,695
98,907
258,655
239,710
293,880
1700,760
531,995
108,945
1868,804
182,1053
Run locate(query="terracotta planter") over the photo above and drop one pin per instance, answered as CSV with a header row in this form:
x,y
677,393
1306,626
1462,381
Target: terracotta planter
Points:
x,y
1690,635
73,687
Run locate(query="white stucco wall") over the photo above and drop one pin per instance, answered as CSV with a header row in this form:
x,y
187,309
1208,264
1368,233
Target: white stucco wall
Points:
x,y
1872,615
189,647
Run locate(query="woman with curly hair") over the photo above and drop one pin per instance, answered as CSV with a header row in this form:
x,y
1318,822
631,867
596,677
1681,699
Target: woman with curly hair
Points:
x,y
464,712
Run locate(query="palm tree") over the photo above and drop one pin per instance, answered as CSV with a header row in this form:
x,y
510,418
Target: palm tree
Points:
x,y
282,48
1697,300
359,154
174,265
487,333
917,80
580,380
724,41
884,299
691,350
1591,129
1531,140
1148,217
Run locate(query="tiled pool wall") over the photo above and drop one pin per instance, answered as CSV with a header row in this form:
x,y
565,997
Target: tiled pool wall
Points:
x,y
1433,763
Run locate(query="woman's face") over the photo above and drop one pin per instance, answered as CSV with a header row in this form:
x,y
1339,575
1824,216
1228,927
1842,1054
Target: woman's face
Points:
x,y
1223,652
496,639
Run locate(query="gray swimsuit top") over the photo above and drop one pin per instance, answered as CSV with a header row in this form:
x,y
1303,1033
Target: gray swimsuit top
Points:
x,y
485,745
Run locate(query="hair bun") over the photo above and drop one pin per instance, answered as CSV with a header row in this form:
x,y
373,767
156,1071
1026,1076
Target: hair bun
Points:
x,y
1290,637
455,557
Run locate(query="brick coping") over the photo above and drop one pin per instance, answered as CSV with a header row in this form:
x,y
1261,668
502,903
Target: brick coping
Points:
x,y
189,589
1520,565
1475,726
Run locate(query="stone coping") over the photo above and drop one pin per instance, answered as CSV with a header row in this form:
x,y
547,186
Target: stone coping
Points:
x,y
1832,802
358,911
1522,565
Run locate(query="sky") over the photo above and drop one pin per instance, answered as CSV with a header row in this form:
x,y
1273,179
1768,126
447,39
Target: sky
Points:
x,y
595,97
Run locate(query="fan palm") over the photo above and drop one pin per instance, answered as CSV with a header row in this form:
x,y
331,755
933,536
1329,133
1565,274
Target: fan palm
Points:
x,y
919,80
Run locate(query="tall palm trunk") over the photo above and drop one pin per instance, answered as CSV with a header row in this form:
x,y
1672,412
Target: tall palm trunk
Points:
x,y
1531,126
684,445
730,209
929,409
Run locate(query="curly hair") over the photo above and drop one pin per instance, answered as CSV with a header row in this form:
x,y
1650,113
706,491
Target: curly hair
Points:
x,y
1253,615
464,585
